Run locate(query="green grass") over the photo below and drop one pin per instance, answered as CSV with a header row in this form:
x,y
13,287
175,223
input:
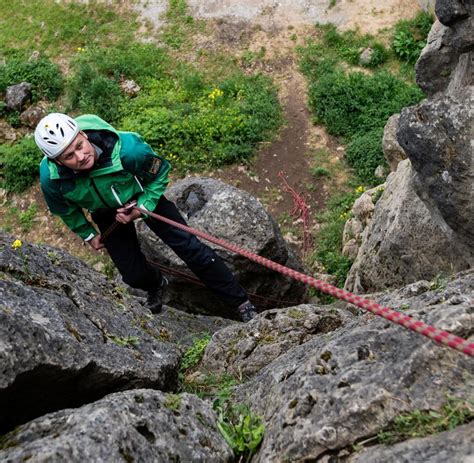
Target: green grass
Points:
x,y
422,423
58,29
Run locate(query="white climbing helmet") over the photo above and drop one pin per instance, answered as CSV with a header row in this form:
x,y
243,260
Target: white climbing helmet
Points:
x,y
54,133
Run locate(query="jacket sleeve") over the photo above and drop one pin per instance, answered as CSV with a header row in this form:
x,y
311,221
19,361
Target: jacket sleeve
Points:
x,y
151,169
72,215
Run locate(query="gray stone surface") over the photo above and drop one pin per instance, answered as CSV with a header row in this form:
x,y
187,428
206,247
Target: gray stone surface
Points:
x,y
67,336
32,115
140,425
245,350
230,214
392,150
405,241
456,446
458,15
437,136
437,61
345,386
18,95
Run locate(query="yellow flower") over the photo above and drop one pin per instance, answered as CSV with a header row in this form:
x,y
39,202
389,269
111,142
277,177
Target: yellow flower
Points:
x,y
216,93
360,189
17,244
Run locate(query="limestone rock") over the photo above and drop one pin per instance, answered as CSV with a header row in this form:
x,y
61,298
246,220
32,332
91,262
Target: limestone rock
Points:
x,y
349,384
405,241
18,95
140,425
238,350
7,133
436,62
32,115
363,208
392,150
130,87
455,445
458,15
437,137
366,56
230,214
68,336
350,249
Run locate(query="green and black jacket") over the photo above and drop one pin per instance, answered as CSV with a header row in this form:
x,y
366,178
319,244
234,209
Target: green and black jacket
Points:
x,y
127,168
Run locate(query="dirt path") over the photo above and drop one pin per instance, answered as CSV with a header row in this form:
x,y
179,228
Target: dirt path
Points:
x,y
287,154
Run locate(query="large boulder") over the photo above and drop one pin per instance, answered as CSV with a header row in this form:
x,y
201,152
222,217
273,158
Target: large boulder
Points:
x,y
343,387
17,96
233,215
67,336
140,425
406,240
437,137
245,351
437,60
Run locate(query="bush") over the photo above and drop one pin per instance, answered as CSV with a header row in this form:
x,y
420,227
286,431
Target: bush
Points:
x,y
44,76
93,93
410,37
364,153
19,165
353,103
199,126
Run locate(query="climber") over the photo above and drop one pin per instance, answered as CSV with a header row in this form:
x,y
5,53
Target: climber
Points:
x,y
90,165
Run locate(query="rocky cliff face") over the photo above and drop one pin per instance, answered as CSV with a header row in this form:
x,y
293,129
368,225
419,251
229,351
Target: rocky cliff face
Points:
x,y
89,375
423,224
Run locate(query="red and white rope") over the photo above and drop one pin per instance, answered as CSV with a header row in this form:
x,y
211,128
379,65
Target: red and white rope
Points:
x,y
438,335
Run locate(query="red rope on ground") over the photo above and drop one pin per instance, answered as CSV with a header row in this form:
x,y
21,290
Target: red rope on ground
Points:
x,y
440,336
300,211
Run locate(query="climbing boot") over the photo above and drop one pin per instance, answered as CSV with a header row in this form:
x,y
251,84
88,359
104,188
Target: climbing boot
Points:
x,y
246,311
154,300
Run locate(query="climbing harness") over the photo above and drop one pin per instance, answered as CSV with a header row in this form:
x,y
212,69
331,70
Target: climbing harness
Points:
x,y
438,335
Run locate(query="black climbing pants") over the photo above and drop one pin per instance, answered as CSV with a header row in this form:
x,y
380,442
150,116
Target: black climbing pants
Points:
x,y
124,249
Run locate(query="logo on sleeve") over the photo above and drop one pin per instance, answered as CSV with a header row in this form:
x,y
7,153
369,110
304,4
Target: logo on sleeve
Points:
x,y
154,166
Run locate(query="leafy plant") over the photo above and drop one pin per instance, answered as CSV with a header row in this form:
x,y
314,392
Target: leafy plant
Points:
x,y
195,353
27,217
240,427
410,37
354,103
19,165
